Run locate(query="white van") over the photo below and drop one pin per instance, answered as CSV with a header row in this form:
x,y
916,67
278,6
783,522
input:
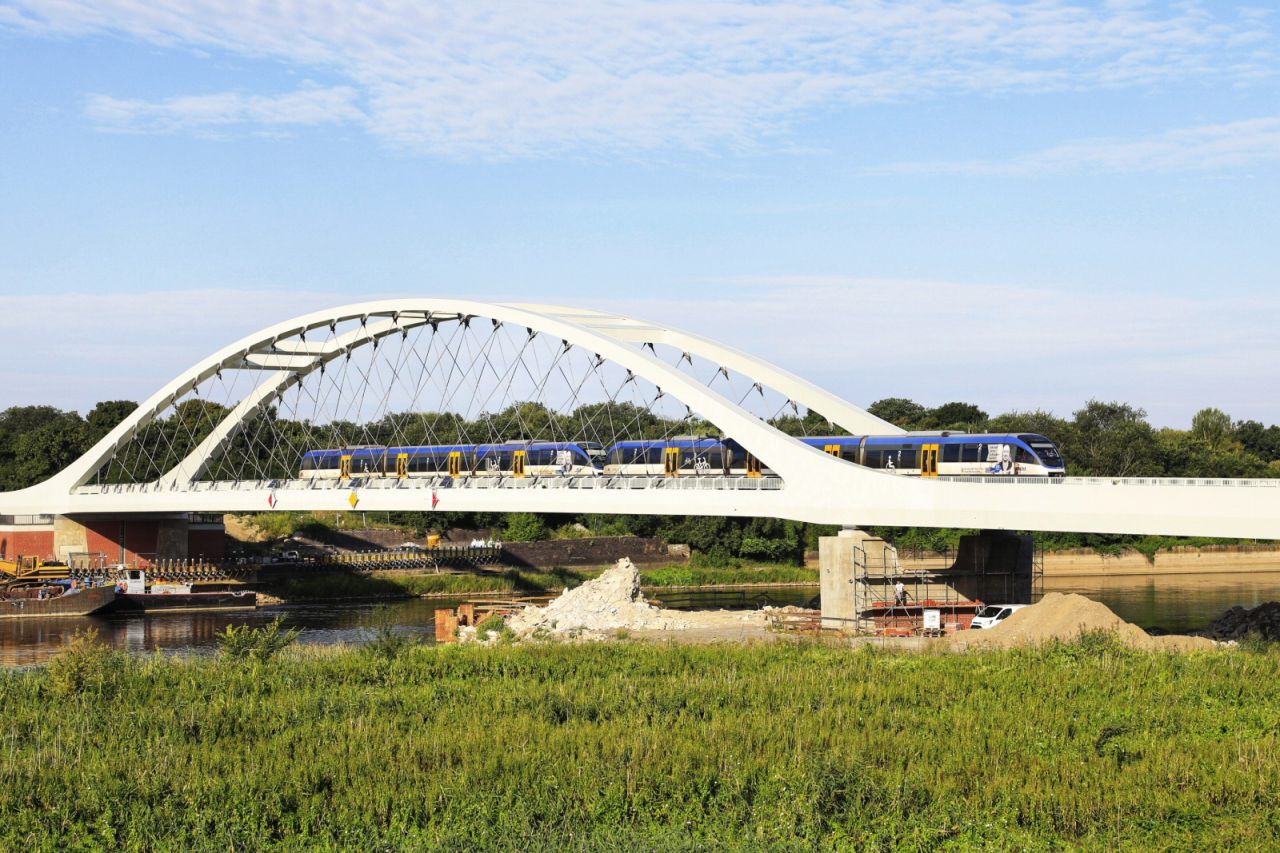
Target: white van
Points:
x,y
994,614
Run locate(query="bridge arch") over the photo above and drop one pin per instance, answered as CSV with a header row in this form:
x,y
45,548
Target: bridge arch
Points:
x,y
811,485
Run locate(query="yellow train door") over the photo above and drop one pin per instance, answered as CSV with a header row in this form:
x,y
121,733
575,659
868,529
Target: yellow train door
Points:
x,y
517,463
753,465
455,464
344,467
929,460
833,449
671,462
402,465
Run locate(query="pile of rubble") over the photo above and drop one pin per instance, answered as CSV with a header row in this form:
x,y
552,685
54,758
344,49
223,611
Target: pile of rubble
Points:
x,y
610,602
1241,622
1065,617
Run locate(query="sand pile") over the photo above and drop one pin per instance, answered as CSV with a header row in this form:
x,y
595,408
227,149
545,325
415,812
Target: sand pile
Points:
x,y
1239,622
609,602
1065,617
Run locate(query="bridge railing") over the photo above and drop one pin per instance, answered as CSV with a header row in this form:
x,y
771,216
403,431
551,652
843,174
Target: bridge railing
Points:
x,y
1187,482
699,483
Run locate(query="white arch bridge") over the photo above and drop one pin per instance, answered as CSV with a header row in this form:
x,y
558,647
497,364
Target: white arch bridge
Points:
x,y
231,433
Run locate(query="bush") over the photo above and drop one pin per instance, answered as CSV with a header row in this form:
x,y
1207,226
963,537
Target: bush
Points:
x,y
493,622
525,527
773,550
82,666
388,643
241,642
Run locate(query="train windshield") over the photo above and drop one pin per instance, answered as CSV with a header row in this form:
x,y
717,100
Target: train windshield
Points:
x,y
1045,449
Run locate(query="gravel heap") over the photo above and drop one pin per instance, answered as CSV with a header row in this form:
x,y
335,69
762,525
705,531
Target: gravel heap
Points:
x,y
609,602
1239,622
1065,617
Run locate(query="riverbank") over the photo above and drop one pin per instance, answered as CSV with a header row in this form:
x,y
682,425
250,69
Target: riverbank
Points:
x,y
786,746
1208,559
351,586
1059,569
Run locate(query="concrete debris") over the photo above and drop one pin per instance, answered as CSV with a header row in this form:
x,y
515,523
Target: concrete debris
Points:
x,y
1065,617
610,602
1240,622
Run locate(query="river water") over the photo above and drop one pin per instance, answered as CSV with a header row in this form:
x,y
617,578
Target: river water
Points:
x,y
1170,603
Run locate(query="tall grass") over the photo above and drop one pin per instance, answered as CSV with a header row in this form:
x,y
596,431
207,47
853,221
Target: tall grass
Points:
x,y
626,745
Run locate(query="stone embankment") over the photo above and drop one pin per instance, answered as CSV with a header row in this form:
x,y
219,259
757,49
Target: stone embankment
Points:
x,y
1210,559
1088,563
1239,623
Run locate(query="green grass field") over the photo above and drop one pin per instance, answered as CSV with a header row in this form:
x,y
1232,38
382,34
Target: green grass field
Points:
x,y
624,745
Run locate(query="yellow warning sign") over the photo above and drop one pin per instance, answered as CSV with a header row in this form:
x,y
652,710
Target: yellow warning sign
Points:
x,y
353,500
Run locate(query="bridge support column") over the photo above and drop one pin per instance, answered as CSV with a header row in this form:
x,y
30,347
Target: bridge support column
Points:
x,y
839,558
994,567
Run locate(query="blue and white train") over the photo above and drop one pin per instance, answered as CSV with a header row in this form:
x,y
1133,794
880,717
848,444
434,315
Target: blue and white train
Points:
x,y
923,455
512,458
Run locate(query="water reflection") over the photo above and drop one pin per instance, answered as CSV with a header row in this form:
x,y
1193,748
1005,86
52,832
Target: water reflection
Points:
x,y
1174,603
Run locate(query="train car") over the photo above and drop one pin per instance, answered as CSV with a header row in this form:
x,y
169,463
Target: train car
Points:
x,y
513,458
949,454
687,456
931,455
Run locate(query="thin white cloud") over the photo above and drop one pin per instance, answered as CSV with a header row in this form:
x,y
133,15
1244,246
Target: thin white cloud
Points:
x,y
541,77
307,106
1216,146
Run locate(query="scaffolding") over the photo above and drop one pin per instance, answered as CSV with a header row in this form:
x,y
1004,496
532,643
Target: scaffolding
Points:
x,y
941,593
927,604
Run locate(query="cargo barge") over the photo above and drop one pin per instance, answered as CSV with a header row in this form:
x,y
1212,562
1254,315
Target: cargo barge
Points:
x,y
53,600
137,594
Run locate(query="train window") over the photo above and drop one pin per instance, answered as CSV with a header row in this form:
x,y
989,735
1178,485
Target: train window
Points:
x,y
950,453
542,457
874,458
849,453
1044,448
1024,457
970,453
908,457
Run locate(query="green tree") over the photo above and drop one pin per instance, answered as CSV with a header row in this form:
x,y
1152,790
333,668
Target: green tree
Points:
x,y
105,416
965,416
1213,427
899,411
1259,440
1112,440
36,442
1038,422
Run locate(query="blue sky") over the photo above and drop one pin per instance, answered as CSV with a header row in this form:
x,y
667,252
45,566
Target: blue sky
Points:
x,y
1019,204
